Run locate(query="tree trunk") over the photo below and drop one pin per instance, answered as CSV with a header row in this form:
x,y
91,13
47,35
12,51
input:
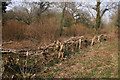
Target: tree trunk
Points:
x,y
62,19
98,18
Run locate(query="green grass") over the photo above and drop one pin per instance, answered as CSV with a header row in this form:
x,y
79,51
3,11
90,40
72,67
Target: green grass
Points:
x,y
41,76
51,64
79,67
73,73
79,75
49,75
94,69
58,69
106,72
99,65
53,70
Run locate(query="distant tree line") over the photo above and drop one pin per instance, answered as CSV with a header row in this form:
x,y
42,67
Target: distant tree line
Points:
x,y
71,13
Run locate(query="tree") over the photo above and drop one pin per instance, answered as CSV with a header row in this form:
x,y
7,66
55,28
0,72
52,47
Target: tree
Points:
x,y
62,18
39,8
114,19
4,4
0,10
29,12
75,14
100,8
84,18
72,14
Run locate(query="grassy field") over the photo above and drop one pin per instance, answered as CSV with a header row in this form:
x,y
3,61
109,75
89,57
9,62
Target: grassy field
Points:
x,y
98,61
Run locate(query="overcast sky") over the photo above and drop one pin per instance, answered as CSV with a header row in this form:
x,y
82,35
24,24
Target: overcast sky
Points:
x,y
69,0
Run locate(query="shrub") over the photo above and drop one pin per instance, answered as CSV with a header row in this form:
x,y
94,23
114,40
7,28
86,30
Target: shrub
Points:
x,y
44,31
13,30
76,30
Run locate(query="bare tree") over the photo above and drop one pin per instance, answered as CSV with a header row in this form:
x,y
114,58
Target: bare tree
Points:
x,y
29,11
100,8
62,18
40,7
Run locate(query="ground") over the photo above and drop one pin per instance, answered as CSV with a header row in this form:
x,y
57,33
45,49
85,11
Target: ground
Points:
x,y
98,61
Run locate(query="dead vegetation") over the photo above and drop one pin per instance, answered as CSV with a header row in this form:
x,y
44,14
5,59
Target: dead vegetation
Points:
x,y
51,44
41,33
36,39
49,55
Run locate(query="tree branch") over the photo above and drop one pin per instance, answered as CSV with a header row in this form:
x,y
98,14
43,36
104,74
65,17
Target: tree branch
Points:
x,y
107,9
103,12
91,12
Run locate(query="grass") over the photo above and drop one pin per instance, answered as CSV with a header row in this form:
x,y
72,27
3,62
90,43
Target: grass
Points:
x,y
94,69
98,62
99,65
79,67
72,73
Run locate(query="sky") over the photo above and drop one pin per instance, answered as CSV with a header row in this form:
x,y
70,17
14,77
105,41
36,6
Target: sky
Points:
x,y
69,0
